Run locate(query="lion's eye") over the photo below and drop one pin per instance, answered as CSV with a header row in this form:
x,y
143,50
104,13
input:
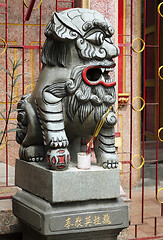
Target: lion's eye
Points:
x,y
111,30
96,38
93,74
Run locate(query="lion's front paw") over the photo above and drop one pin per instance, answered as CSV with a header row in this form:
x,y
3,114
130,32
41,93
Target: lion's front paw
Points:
x,y
59,139
107,160
110,161
58,159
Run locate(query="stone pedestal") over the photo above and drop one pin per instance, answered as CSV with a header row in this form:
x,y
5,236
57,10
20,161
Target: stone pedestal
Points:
x,y
75,204
66,186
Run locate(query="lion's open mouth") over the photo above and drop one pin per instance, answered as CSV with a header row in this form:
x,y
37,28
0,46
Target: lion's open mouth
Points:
x,y
95,75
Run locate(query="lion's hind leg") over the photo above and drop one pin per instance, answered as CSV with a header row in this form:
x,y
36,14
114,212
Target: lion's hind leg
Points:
x,y
28,132
33,153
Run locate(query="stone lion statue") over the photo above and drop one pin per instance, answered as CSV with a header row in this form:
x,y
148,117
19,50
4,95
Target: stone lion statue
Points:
x,y
73,92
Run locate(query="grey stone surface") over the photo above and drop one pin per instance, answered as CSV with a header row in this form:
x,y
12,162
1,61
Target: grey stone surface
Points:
x,y
71,185
71,218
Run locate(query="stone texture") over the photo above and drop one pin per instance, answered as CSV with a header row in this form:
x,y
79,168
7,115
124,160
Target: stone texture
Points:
x,y
70,218
71,185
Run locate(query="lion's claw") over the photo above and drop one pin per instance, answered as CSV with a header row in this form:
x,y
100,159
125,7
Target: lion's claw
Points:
x,y
59,140
110,164
109,160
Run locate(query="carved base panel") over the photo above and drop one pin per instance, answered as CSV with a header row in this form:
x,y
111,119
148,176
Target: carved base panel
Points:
x,y
96,219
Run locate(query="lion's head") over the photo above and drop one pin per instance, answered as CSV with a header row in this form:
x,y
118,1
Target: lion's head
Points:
x,y
90,86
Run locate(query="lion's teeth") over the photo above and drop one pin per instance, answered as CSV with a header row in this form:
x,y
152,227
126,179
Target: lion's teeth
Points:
x,y
103,70
109,69
102,78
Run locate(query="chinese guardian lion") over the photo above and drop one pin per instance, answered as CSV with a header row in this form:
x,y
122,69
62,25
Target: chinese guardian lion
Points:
x,y
73,92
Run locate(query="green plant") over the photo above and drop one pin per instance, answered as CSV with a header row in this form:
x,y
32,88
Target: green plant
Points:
x,y
6,116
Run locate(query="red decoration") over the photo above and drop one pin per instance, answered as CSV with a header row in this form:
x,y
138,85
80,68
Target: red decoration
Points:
x,y
94,83
61,159
53,160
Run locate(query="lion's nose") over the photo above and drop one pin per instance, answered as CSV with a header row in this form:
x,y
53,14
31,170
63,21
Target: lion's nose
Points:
x,y
118,51
111,50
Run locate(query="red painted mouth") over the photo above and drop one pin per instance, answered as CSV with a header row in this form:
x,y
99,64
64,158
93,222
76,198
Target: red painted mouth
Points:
x,y
95,75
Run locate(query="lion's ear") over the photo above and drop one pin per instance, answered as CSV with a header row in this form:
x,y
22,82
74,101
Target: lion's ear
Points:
x,y
63,28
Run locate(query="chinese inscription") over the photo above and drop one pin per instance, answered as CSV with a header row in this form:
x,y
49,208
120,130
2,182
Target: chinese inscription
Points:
x,y
87,221
106,219
68,223
78,222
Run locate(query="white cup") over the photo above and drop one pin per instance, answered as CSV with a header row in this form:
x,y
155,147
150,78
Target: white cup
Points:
x,y
83,160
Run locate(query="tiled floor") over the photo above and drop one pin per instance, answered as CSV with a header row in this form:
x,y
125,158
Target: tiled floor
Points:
x,y
152,211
